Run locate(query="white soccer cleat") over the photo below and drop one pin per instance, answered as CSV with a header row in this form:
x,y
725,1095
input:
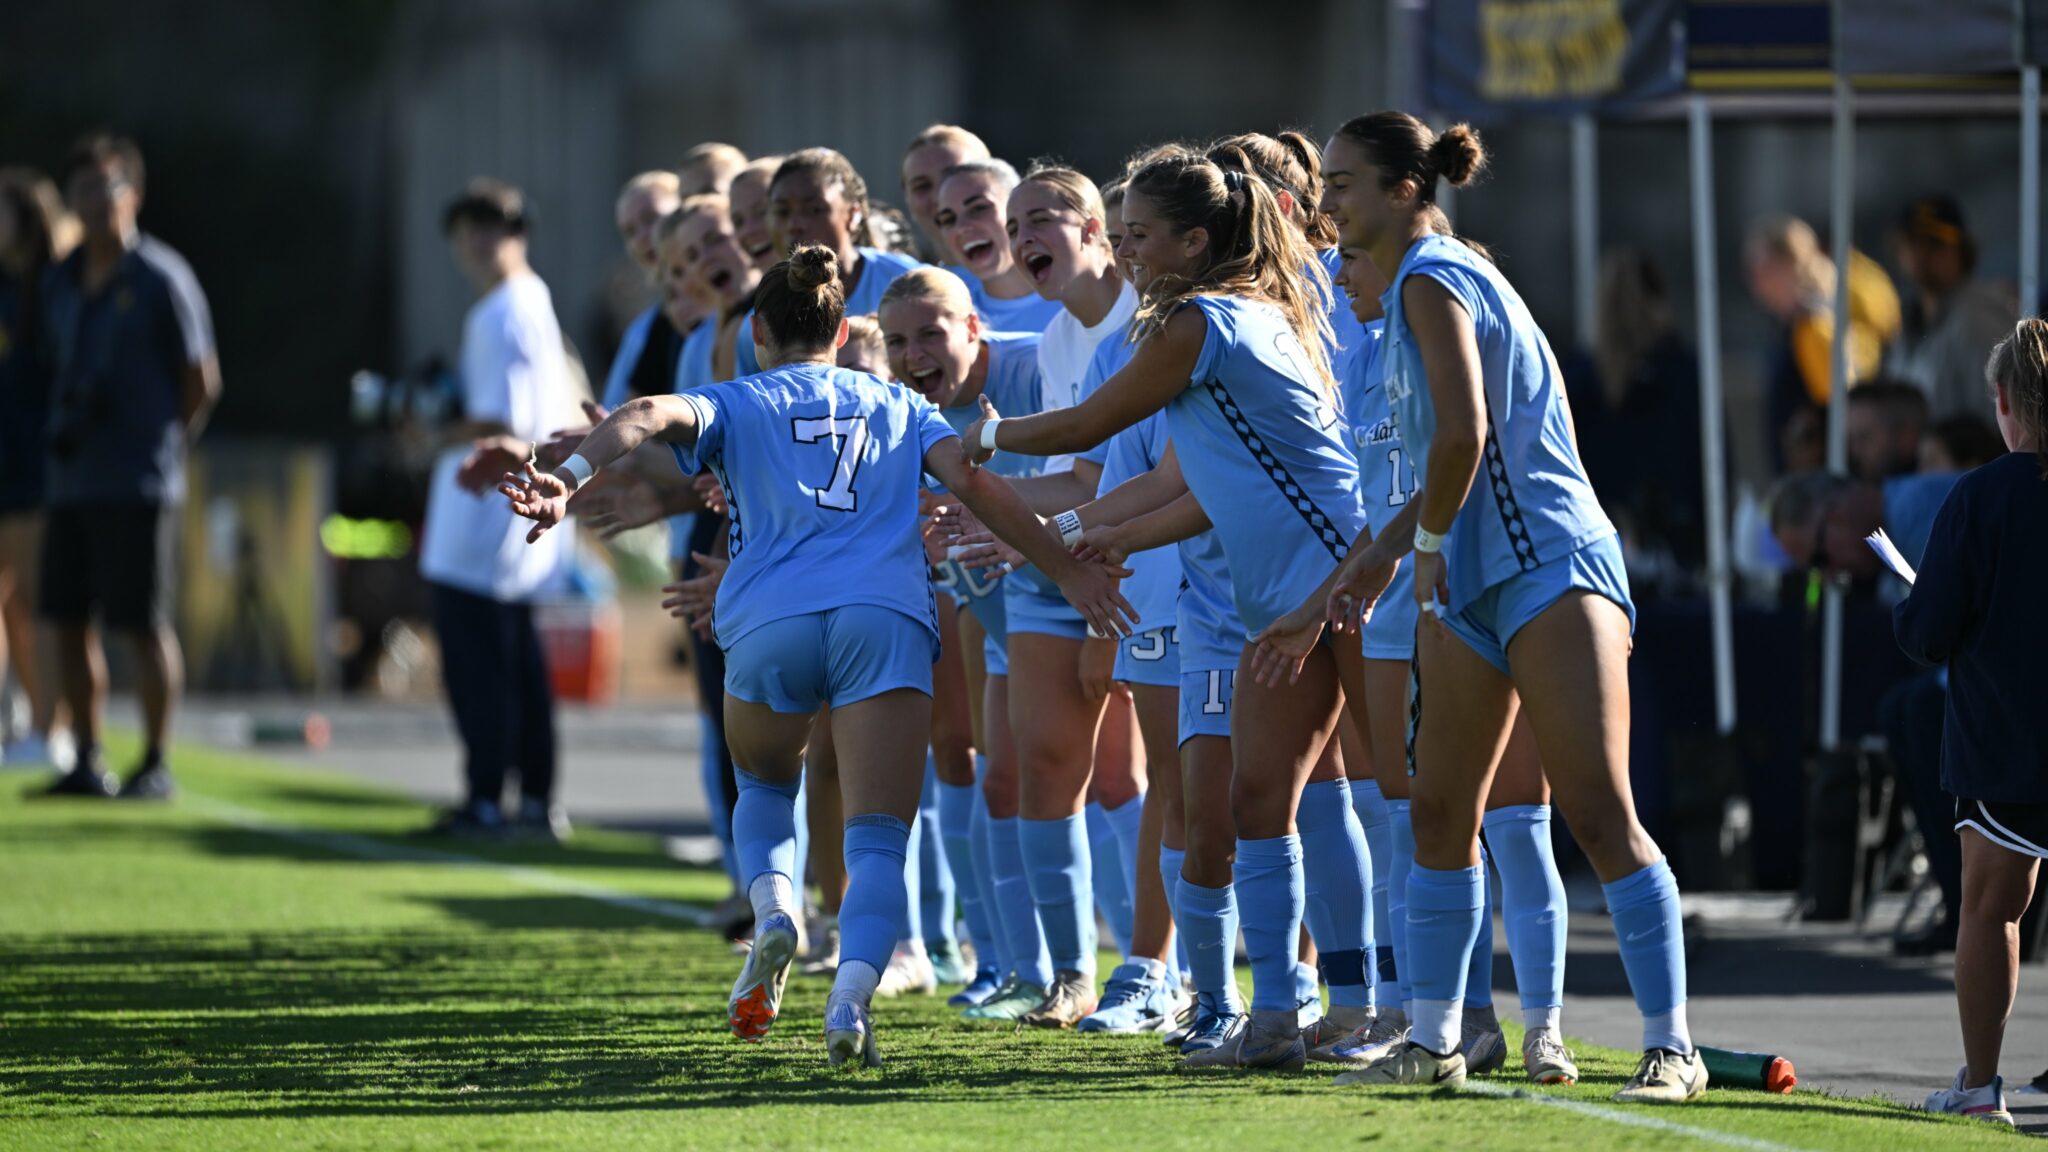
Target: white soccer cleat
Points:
x,y
1665,1077
1482,1044
757,994
1410,1064
908,972
1266,1040
1363,1047
1547,1060
849,1033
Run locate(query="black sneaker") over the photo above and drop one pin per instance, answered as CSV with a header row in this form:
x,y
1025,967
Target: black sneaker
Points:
x,y
153,782
541,821
86,778
471,821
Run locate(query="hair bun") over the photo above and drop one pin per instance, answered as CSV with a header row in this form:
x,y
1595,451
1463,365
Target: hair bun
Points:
x,y
1457,155
812,267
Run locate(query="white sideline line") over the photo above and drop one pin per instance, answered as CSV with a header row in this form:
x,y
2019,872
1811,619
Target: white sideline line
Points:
x,y
1628,1119
365,848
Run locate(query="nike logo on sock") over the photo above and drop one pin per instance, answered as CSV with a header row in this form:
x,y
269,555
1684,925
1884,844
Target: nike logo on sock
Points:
x,y
1644,935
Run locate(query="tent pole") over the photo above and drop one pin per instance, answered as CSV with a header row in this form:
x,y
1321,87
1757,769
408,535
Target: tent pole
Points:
x,y
2030,190
1585,224
1707,287
1842,207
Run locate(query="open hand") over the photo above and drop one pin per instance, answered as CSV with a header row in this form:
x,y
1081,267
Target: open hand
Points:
x,y
1360,583
490,458
541,497
692,599
970,440
1285,644
624,505
713,494
1092,589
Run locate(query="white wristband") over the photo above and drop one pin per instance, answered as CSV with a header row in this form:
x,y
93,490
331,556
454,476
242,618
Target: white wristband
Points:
x,y
1427,541
1068,524
988,434
580,468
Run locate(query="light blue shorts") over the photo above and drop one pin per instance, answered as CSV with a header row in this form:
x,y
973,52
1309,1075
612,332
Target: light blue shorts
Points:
x,y
1390,630
1151,658
1205,703
1030,610
995,657
1489,623
837,657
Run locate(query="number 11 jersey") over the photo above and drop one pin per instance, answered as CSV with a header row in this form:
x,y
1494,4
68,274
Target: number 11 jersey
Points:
x,y
821,467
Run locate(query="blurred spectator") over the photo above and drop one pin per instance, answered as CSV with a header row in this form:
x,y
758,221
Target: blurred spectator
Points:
x,y
35,233
1794,280
1960,443
1952,318
482,574
135,377
709,167
1886,423
1820,520
1638,386
646,361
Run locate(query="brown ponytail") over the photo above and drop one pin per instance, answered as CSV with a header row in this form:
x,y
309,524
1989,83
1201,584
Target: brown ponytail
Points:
x,y
1403,148
802,300
2020,364
1254,251
1289,162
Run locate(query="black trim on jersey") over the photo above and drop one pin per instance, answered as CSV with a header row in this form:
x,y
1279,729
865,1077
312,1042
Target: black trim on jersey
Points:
x,y
1504,500
735,539
1318,522
1414,704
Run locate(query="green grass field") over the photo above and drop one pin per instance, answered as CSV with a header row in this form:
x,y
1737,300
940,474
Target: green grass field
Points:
x,y
269,965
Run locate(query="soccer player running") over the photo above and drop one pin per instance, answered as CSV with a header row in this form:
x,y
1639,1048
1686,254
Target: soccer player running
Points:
x,y
826,604
1234,349
1522,594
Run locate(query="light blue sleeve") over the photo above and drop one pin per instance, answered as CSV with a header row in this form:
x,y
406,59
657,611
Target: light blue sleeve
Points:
x,y
1216,337
631,345
932,428
1462,283
710,430
745,363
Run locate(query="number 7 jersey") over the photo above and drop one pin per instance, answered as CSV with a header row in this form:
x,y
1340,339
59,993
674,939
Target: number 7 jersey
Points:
x,y
822,467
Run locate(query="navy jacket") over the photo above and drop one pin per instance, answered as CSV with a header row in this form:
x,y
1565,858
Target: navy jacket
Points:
x,y
1980,607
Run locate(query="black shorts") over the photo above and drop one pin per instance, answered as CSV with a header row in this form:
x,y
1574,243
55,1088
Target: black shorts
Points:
x,y
116,562
2021,828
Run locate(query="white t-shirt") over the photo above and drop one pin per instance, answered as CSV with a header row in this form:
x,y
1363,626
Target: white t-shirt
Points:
x,y
1063,355
516,373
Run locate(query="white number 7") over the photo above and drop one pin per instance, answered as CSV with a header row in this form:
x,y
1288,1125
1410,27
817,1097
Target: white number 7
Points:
x,y
852,434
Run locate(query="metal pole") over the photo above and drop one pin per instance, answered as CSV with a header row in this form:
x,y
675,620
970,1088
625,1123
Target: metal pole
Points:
x,y
1585,224
1707,286
1842,208
2030,190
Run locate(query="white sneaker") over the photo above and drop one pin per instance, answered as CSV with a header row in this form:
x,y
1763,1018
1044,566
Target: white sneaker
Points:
x,y
909,970
757,995
1270,1040
1665,1077
1410,1064
1546,1058
849,1032
1986,1103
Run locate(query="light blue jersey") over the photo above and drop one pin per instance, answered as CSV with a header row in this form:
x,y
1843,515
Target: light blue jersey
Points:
x,y
1530,503
693,370
878,270
1386,481
821,468
1263,450
619,381
1027,313
1348,334
1012,386
1154,584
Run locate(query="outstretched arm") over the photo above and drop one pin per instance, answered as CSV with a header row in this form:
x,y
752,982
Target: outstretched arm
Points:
x,y
544,497
1159,368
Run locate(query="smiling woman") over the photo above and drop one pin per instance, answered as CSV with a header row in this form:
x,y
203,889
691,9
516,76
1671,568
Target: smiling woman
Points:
x,y
973,222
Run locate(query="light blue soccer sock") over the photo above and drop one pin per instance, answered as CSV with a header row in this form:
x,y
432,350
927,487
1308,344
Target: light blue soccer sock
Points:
x,y
956,835
1338,889
1532,907
1269,884
764,839
996,955
872,913
1210,925
935,874
1025,942
711,774
1169,874
1371,808
801,864
1056,858
1648,924
1400,862
1126,821
1479,975
910,930
1443,922
1106,871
